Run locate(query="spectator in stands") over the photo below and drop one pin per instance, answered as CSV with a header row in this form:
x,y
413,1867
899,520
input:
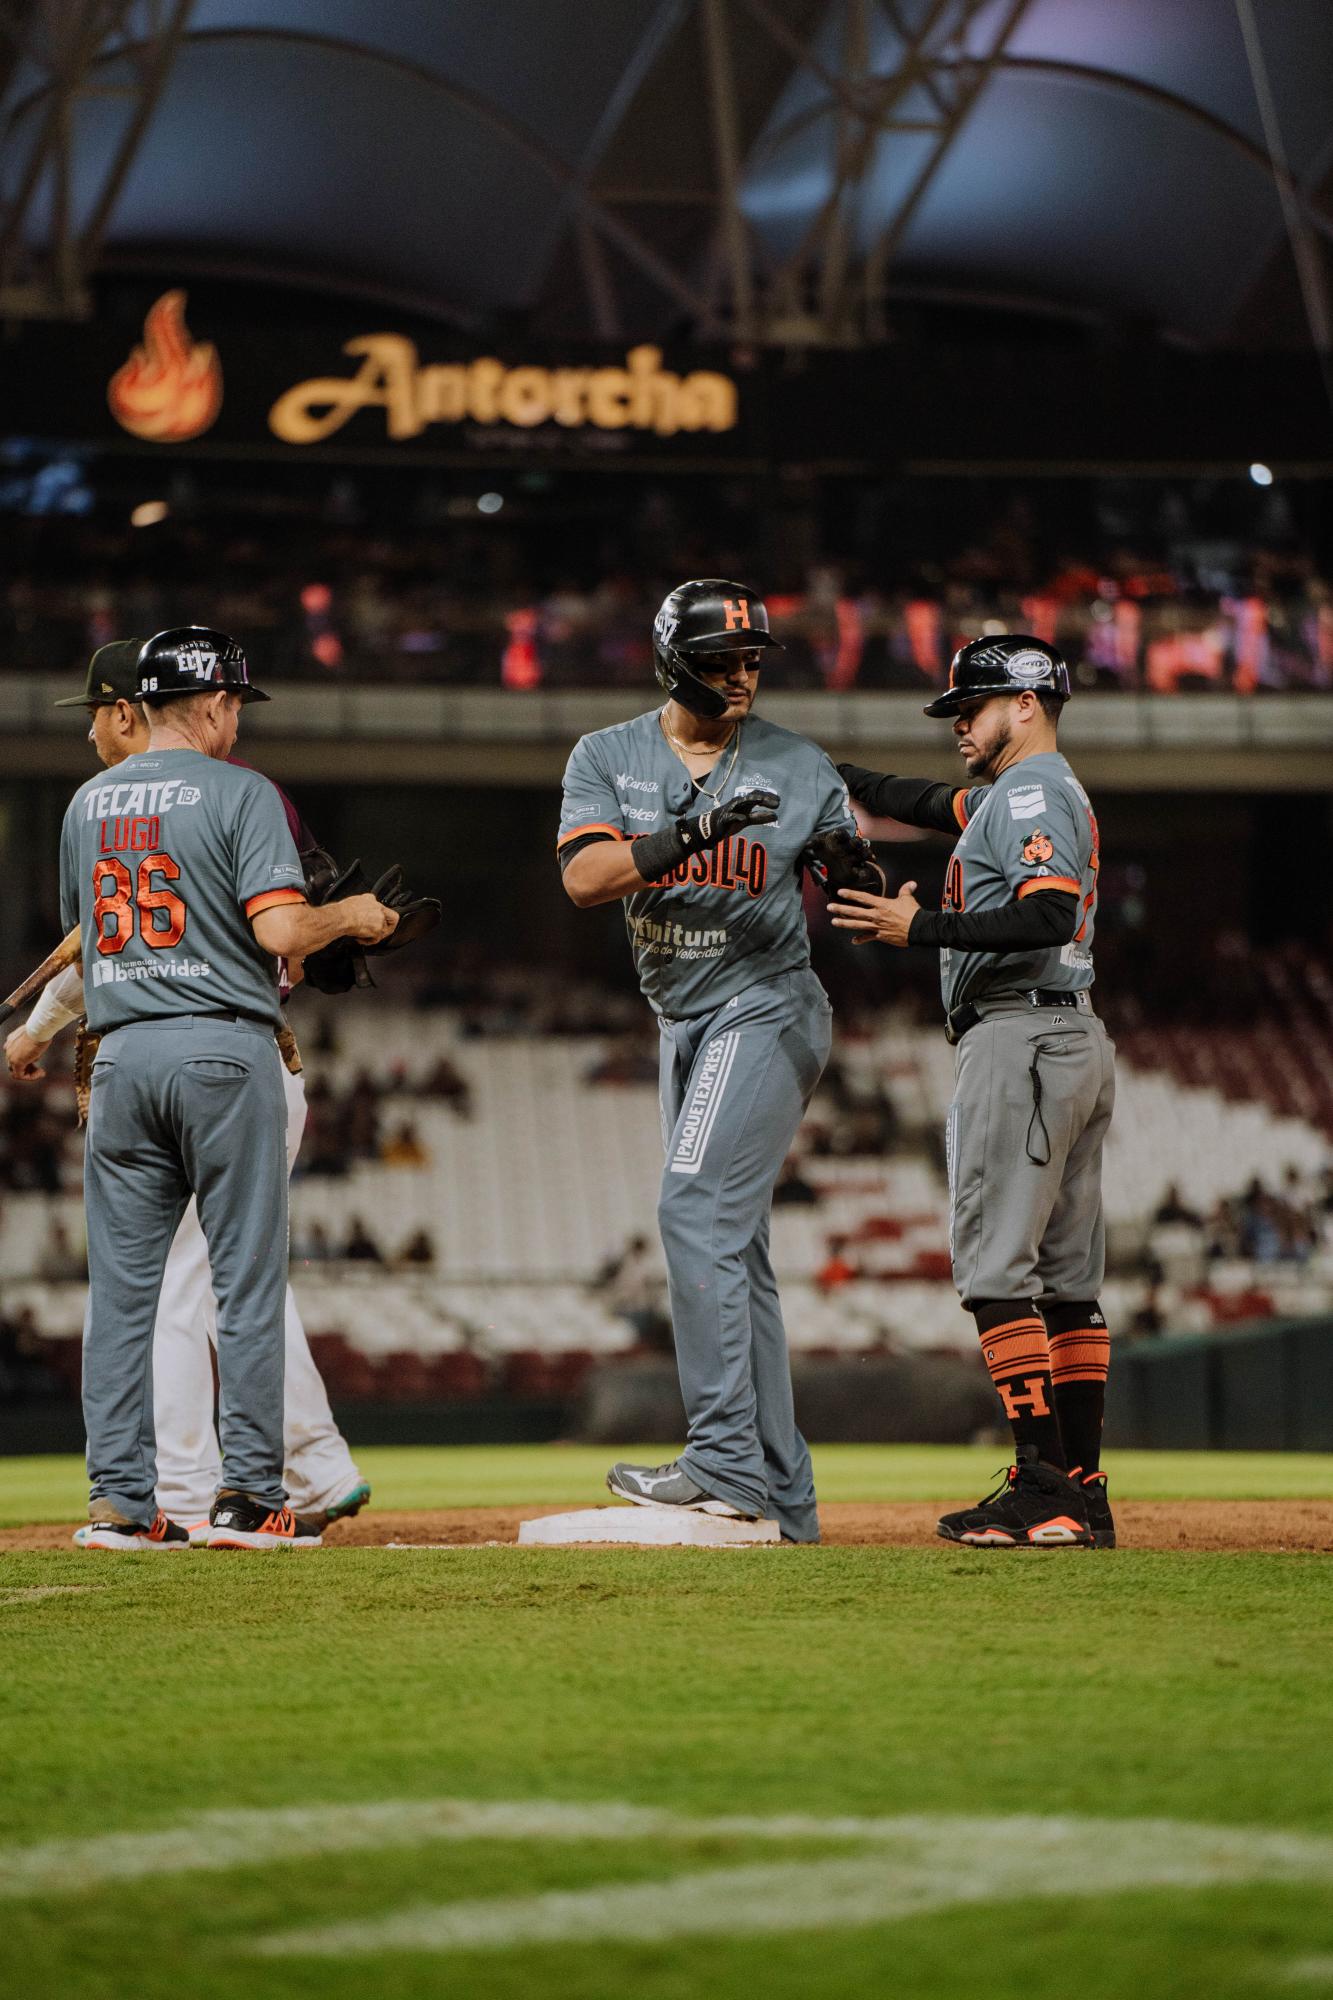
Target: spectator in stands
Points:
x,y
361,1247
419,1250
404,1148
630,1060
447,1082
630,1287
31,1142
1173,1208
1146,1323
792,1190
361,1119
836,1270
313,1246
25,1373
1259,1221
61,1262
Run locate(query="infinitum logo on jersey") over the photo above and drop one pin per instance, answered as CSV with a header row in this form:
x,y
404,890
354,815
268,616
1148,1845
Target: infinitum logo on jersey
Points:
x,y
647,935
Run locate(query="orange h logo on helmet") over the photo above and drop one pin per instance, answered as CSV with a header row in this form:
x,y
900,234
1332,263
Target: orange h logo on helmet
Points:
x,y
738,613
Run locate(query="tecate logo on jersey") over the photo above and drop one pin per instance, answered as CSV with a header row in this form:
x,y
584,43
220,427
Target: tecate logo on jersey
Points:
x,y
138,801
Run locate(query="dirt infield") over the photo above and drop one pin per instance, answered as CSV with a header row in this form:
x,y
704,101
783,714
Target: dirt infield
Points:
x,y
1255,1527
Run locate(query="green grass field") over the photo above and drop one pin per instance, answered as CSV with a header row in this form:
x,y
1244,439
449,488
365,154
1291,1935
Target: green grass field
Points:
x,y
368,1774
54,1489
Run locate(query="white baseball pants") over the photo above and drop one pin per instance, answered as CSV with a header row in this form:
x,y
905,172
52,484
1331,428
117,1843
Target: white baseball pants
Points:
x,y
319,1469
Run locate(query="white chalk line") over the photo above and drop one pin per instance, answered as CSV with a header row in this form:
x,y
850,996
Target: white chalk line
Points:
x,y
1311,1971
925,1863
916,1863
29,1593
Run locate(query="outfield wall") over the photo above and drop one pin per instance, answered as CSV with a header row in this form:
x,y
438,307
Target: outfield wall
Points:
x,y
1264,1387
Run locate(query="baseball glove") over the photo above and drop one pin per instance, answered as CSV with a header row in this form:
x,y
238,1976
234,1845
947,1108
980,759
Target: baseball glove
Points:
x,y
843,860
86,1044
342,964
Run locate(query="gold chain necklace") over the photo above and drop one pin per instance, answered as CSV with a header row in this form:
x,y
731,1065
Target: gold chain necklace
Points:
x,y
735,740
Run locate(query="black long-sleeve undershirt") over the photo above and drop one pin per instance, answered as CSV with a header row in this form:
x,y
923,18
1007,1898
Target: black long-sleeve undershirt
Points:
x,y
1034,923
1039,922
914,801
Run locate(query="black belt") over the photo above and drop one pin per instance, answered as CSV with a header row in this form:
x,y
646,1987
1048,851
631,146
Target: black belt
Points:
x,y
965,1018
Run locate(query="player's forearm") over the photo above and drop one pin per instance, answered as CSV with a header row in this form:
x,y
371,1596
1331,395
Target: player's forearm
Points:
x,y
296,930
914,801
1036,923
60,1003
602,872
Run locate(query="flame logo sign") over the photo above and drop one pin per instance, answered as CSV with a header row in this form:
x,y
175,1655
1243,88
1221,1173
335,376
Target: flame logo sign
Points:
x,y
170,389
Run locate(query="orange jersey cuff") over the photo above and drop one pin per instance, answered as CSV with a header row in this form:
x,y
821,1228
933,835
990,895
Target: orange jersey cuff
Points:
x,y
1050,882
272,896
596,826
960,808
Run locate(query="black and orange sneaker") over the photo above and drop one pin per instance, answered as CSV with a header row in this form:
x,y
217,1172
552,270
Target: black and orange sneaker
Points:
x,y
1033,1507
1100,1518
112,1530
237,1521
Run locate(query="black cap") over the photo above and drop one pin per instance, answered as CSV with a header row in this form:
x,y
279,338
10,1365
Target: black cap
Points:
x,y
194,659
709,615
1013,663
113,675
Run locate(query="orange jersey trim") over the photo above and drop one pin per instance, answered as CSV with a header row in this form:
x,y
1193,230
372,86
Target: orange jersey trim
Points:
x,y
580,832
272,896
960,808
1050,882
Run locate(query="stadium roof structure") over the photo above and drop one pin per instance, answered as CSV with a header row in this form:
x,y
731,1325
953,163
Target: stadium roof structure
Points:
x,y
780,171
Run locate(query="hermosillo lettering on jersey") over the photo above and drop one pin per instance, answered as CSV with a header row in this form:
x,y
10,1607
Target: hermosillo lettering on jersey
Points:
x,y
737,863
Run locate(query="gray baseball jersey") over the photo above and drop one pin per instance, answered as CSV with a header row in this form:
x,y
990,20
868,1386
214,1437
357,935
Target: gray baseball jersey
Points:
x,y
162,865
729,917
1033,829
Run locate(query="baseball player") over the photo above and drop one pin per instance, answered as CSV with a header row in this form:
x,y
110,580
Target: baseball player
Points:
x,y
1035,1075
183,877
322,1480
699,817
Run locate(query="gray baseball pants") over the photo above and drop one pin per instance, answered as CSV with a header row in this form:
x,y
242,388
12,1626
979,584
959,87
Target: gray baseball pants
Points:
x,y
1032,1102
734,1088
188,1105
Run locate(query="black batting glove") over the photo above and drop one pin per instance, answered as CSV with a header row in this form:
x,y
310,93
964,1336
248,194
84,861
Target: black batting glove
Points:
x,y
657,853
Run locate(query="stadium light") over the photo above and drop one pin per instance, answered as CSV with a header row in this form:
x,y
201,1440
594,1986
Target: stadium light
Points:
x,y
1261,474
148,513
490,503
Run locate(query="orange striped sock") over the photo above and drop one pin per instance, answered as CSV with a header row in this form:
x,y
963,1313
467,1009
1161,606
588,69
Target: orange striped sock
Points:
x,y
1080,1354
1014,1347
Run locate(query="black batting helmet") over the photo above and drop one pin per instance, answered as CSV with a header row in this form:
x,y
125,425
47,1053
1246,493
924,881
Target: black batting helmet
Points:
x,y
194,659
1014,663
706,616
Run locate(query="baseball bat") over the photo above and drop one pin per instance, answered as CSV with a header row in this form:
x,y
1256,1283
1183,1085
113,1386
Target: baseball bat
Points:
x,y
64,954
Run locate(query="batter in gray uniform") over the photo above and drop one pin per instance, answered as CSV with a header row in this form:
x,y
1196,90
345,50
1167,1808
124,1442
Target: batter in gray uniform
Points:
x,y
183,877
1035,1076
700,816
